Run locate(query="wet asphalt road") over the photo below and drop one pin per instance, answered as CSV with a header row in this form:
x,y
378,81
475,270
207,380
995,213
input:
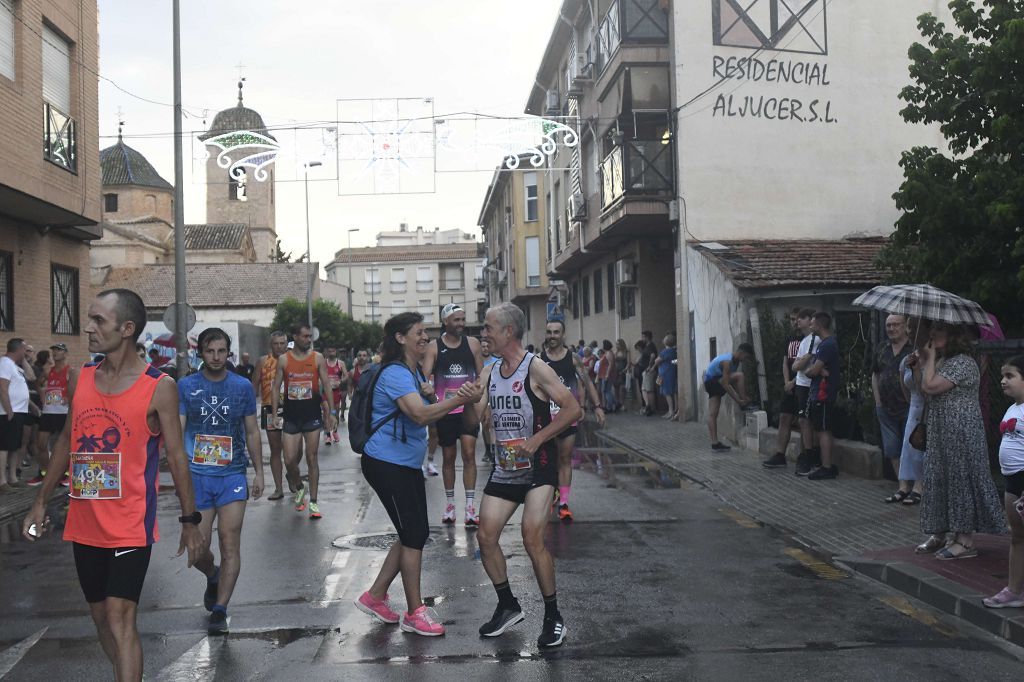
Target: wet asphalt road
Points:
x,y
655,581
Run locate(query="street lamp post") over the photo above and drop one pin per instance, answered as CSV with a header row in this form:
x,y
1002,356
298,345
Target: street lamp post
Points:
x,y
309,254
350,231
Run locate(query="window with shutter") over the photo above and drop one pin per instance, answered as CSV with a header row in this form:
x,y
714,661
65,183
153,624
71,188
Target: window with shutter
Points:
x,y
56,70
7,55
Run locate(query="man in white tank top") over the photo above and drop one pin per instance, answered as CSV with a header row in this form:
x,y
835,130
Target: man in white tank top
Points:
x,y
519,391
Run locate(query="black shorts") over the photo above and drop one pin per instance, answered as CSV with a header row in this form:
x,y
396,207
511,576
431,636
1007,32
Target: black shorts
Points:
x,y
789,404
266,423
803,395
1015,483
52,423
402,492
104,572
714,388
820,415
450,428
569,432
292,428
512,492
30,420
10,431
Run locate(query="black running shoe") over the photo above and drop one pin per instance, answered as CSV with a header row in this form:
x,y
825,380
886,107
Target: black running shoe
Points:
x,y
824,473
553,633
218,623
775,461
210,596
720,447
503,619
803,465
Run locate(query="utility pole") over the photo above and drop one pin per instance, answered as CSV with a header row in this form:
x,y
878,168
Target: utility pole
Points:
x,y
180,318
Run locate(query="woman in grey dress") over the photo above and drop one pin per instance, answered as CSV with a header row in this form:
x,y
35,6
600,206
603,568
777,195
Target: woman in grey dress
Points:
x,y
959,495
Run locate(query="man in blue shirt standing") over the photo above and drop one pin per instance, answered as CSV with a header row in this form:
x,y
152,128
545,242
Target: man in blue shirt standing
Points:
x,y
825,379
218,417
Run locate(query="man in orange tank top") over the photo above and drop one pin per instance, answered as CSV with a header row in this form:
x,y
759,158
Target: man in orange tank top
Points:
x,y
120,411
302,372
262,380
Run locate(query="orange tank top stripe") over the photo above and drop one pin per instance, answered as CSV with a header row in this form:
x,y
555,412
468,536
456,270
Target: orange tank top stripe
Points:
x,y
114,464
267,372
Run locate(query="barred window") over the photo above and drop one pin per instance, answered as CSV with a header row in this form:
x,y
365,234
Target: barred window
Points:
x,y
6,291
64,299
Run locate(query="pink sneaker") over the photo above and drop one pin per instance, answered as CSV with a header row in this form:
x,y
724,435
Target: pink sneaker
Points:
x,y
422,622
378,608
448,518
1004,600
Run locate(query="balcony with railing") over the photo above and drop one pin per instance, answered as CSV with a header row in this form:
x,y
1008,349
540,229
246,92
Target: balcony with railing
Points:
x,y
636,167
60,141
372,287
629,21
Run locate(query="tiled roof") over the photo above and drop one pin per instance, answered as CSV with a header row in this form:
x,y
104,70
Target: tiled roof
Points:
x,y
789,263
216,285
395,254
123,165
213,236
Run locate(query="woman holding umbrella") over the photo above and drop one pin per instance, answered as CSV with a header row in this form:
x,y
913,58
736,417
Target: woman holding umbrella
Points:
x,y
959,495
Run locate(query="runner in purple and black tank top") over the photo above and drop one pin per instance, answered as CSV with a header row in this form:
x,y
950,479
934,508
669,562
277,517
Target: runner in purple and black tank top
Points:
x,y
455,359
570,371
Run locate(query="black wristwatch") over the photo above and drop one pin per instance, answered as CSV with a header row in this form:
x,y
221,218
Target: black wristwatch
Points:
x,y
195,517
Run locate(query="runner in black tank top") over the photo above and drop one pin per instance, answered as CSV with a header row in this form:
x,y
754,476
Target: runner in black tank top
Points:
x,y
519,395
451,367
571,372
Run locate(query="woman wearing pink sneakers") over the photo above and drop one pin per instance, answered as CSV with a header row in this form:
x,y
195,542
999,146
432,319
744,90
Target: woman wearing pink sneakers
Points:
x,y
1011,461
403,403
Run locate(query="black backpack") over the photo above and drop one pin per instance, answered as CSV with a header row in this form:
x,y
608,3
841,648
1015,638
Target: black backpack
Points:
x,y
360,415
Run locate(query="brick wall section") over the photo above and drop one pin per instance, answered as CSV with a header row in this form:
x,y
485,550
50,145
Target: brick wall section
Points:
x,y
21,108
140,202
33,254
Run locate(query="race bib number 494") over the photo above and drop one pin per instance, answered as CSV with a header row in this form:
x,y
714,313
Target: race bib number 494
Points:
x,y
96,475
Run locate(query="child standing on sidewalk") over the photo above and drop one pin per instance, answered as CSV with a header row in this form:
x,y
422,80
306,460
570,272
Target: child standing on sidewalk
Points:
x,y
1011,461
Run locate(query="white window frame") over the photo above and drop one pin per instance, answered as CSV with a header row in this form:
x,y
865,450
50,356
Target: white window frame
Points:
x,y
532,251
399,284
424,278
531,197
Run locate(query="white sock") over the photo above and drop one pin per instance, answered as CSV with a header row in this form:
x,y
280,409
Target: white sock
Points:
x,y
470,496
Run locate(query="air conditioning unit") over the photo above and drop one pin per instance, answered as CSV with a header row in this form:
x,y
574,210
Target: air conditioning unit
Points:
x,y
584,68
625,272
577,206
552,103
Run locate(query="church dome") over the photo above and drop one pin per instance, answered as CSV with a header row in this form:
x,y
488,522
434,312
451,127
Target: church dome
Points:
x,y
123,165
237,119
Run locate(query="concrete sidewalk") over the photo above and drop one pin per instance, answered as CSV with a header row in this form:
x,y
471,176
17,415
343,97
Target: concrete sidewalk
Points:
x,y
844,519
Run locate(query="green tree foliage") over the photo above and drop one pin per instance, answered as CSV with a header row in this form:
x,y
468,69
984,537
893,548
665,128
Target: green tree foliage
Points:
x,y
336,328
963,208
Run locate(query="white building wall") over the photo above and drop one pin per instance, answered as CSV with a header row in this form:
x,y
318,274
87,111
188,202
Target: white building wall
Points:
x,y
772,175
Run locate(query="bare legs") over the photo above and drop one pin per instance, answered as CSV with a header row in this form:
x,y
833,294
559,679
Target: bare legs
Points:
x,y
406,561
276,465
229,536
311,441
119,636
494,515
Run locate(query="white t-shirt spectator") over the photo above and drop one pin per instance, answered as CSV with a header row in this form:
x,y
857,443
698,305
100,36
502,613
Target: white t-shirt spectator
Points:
x,y
1011,447
807,345
17,391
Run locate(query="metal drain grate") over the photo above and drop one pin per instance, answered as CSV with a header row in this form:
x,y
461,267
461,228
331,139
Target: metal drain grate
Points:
x,y
371,541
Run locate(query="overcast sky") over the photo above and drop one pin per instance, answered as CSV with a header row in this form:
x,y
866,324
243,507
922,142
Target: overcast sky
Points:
x,y
299,59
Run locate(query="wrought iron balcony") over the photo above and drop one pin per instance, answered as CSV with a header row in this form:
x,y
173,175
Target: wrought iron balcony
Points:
x,y
60,140
637,167
629,21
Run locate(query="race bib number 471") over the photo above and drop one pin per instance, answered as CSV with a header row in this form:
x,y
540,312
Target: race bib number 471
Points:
x,y
212,450
96,475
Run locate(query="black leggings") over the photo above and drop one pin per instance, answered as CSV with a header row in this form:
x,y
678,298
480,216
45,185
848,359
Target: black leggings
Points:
x,y
404,496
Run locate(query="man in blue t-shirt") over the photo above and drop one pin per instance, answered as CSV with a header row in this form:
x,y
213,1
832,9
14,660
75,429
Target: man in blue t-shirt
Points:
x,y
218,417
724,376
825,374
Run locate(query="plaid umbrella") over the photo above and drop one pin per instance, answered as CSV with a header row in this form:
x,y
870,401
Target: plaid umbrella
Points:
x,y
925,301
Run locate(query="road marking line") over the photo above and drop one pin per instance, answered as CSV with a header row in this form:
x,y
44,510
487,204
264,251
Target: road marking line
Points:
x,y
197,664
820,568
333,584
16,652
924,617
740,518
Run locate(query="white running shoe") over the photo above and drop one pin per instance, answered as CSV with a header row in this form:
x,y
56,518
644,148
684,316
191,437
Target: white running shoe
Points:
x,y
431,469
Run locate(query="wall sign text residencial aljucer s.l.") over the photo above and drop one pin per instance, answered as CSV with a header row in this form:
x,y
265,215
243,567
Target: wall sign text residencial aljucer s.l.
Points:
x,y
795,27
